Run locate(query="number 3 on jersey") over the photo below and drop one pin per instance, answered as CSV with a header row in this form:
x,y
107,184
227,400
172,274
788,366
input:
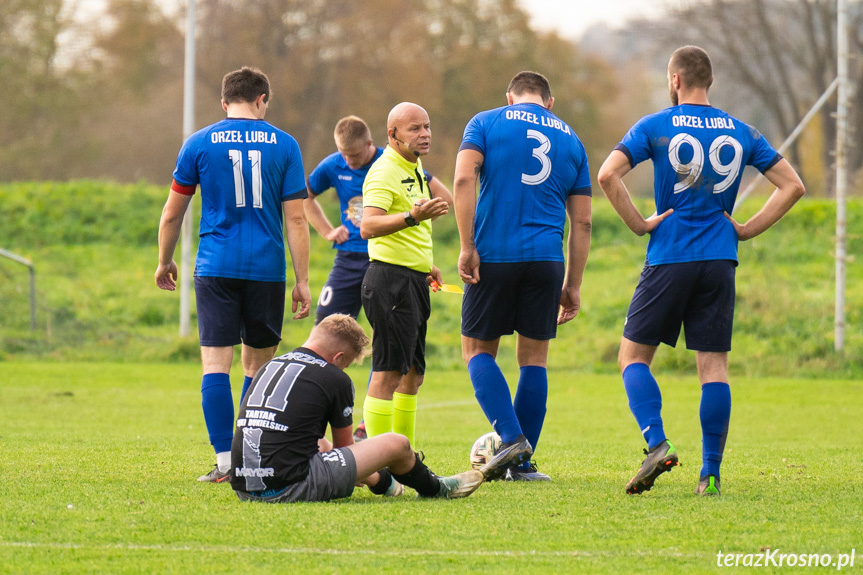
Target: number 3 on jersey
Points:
x,y
236,157
691,170
540,153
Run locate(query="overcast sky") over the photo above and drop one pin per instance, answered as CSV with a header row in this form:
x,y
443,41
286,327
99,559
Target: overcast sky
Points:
x,y
571,18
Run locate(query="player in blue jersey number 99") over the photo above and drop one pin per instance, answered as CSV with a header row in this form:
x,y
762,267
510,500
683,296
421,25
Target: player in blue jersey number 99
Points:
x,y
698,154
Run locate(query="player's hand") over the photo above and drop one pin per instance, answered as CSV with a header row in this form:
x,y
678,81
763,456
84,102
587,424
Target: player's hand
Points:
x,y
468,266
324,445
339,235
653,221
738,227
434,276
426,209
570,303
302,300
166,276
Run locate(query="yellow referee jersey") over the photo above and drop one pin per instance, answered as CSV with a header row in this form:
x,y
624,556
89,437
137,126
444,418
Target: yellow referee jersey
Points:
x,y
393,184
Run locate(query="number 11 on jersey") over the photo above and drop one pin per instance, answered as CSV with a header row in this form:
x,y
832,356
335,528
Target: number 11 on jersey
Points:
x,y
236,157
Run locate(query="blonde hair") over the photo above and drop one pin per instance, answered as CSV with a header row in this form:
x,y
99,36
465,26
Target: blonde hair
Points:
x,y
351,130
341,332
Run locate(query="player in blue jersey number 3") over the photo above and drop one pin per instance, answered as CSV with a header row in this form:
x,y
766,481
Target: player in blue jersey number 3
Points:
x,y
250,174
533,174
698,154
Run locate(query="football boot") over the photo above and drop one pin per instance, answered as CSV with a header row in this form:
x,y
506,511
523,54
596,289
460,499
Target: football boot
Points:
x,y
661,458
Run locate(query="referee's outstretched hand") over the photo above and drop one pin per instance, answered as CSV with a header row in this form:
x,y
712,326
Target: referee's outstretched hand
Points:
x,y
426,209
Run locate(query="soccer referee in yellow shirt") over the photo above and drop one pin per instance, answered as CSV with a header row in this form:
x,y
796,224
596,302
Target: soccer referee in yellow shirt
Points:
x,y
397,212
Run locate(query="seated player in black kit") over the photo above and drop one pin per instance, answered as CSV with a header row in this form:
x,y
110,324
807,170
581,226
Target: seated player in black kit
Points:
x,y
275,456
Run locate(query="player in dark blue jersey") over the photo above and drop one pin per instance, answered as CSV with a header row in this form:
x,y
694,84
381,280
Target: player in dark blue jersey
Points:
x,y
345,171
251,174
533,174
698,154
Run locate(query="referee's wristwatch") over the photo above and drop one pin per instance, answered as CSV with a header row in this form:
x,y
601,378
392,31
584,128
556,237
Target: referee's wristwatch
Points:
x,y
410,220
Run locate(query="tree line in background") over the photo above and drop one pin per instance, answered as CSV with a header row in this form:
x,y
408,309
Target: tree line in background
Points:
x,y
782,53
103,98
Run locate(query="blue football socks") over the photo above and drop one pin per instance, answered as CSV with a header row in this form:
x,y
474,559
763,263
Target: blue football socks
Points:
x,y
715,413
530,401
645,402
247,381
218,407
493,395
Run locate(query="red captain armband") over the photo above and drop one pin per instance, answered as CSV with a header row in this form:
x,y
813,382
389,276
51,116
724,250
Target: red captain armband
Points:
x,y
181,189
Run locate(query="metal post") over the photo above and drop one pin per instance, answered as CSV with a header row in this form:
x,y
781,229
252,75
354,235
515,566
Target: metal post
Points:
x,y
32,298
29,264
188,128
795,133
841,175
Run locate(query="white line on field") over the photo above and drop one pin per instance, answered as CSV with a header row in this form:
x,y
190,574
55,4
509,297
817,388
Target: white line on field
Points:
x,y
370,552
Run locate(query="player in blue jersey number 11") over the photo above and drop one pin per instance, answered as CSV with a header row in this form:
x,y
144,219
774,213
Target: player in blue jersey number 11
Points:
x,y
251,174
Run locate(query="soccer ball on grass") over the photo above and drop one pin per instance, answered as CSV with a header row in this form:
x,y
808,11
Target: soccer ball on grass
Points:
x,y
484,449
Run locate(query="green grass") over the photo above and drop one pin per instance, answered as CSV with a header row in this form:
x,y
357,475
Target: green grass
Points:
x,y
122,444
94,248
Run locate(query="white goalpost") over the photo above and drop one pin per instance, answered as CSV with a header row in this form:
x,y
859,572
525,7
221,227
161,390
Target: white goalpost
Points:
x,y
841,173
840,86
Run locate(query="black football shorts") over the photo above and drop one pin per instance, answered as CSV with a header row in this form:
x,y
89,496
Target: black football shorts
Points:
x,y
522,297
698,295
397,304
231,311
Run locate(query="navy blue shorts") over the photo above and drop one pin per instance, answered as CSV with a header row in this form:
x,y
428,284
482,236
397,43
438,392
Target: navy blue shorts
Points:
x,y
343,291
231,311
522,297
699,295
397,304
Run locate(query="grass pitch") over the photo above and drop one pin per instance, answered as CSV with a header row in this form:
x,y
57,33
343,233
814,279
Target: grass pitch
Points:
x,y
99,465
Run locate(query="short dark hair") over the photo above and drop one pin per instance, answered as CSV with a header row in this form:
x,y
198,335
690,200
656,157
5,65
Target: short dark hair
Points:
x,y
245,85
532,82
350,130
693,66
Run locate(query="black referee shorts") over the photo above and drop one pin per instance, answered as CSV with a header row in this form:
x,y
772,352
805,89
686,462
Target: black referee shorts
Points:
x,y
397,304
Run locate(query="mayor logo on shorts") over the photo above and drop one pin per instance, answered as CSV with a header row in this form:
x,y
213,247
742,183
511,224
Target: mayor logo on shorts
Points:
x,y
348,410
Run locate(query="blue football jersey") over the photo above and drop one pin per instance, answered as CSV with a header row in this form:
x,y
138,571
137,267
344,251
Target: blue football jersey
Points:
x,y
246,169
334,172
532,162
698,154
